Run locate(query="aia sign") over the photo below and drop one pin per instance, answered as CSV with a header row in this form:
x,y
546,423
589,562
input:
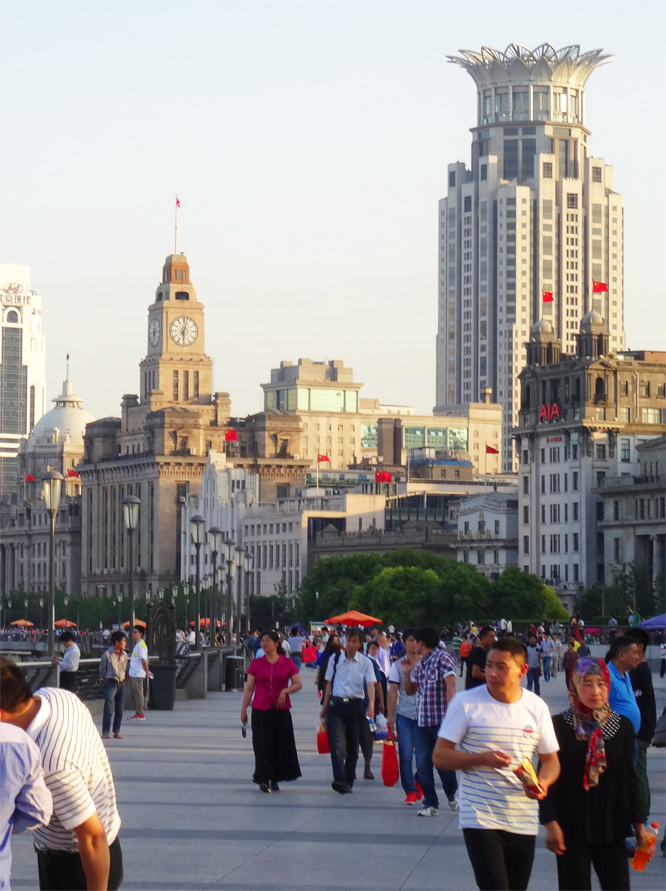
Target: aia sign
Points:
x,y
550,412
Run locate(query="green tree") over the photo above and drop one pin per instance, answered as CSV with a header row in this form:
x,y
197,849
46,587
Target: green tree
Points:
x,y
327,588
517,594
465,593
399,595
553,608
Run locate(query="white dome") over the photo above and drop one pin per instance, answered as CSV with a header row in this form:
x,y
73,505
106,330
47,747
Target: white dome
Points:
x,y
68,417
590,320
539,328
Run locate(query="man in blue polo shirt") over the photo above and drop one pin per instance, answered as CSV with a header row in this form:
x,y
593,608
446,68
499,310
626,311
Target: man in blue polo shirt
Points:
x,y
621,658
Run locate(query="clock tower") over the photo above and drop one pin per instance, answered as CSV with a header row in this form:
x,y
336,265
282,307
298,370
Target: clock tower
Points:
x,y
176,370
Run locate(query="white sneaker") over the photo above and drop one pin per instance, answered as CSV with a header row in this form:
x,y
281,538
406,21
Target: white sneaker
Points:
x,y
429,812
453,802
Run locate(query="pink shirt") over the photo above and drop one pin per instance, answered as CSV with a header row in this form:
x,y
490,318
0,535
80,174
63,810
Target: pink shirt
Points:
x,y
271,679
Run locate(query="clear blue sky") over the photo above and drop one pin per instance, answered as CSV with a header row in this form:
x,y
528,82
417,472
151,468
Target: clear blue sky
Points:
x,y
308,142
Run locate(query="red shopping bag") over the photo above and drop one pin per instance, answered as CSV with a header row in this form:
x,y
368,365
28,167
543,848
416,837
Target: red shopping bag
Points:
x,y
323,742
390,772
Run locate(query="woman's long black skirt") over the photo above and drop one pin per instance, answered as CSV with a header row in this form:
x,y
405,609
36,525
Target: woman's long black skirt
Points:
x,y
275,756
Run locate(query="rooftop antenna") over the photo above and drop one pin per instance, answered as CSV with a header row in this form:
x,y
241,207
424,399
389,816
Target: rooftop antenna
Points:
x,y
67,368
176,224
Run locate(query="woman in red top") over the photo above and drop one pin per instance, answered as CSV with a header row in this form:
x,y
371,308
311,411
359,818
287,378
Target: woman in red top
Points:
x,y
270,680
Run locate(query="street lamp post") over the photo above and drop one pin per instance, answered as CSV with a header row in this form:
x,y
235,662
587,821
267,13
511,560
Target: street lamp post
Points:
x,y
119,598
215,543
248,563
131,517
41,613
229,546
66,601
25,604
197,526
51,495
9,612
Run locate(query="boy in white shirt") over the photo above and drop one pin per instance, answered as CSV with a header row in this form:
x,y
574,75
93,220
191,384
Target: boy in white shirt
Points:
x,y
138,672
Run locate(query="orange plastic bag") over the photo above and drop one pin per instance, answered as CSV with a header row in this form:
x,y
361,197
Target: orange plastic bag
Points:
x,y
390,771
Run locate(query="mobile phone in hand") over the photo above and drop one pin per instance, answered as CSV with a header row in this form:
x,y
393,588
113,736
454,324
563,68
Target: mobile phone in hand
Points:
x,y
244,730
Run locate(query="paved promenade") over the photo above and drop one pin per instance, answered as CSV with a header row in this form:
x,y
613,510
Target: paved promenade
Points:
x,y
192,818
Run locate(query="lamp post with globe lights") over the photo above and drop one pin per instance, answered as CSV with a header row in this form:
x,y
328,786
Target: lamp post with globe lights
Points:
x,y
131,518
51,494
215,543
198,529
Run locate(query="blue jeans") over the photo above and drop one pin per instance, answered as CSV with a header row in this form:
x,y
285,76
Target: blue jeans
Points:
x,y
406,728
533,680
545,661
344,729
114,702
296,658
424,744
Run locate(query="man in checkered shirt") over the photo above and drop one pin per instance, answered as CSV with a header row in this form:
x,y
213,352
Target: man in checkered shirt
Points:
x,y
434,680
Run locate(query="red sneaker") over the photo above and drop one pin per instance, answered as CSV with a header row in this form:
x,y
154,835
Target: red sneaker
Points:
x,y
411,798
419,791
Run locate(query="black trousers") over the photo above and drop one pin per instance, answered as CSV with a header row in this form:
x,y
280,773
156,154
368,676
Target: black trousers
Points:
x,y
68,681
63,871
502,861
610,863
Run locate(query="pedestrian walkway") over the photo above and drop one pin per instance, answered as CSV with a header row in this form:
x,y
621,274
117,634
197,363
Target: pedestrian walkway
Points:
x,y
192,818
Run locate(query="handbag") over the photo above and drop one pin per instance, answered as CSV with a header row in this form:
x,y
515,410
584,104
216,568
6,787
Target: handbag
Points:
x,y
390,771
323,742
309,653
659,739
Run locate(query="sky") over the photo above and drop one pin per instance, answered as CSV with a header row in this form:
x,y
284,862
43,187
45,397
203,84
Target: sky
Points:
x,y
308,143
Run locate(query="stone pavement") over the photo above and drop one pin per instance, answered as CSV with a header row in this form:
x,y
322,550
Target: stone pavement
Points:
x,y
192,818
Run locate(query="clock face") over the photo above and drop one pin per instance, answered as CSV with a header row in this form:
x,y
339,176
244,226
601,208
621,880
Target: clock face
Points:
x,y
154,332
183,331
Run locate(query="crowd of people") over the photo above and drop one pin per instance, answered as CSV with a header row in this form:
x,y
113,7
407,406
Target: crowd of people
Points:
x,y
582,774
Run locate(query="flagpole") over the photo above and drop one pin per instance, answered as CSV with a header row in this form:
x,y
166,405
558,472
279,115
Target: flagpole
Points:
x,y
485,467
176,227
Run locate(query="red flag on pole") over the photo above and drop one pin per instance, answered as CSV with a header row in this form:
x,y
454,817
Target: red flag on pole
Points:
x,y
599,287
491,451
73,473
30,479
382,476
321,458
177,201
547,296
230,436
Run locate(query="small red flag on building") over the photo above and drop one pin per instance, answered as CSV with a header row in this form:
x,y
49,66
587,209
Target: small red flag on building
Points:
x,y
382,476
599,288
321,458
73,473
177,201
547,296
491,451
30,479
230,436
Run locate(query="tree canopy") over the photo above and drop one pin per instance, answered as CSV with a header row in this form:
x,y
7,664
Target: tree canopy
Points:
x,y
414,587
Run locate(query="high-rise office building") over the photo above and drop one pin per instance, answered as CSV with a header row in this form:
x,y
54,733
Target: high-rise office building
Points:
x,y
533,230
22,367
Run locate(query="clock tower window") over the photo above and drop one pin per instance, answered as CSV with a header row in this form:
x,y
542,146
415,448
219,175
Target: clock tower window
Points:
x,y
175,386
186,385
182,295
196,385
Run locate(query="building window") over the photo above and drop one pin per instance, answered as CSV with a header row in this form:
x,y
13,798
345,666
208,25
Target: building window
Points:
x,y
526,485
484,171
175,386
574,481
574,452
575,542
526,544
452,179
547,170
601,477
596,174
601,452
526,514
644,389
600,510
625,450
467,207
574,510
572,201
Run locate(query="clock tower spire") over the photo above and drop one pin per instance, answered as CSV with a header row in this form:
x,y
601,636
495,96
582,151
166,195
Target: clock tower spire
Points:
x,y
176,370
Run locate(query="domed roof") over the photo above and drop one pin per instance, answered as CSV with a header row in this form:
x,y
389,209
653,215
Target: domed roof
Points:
x,y
540,328
590,321
68,417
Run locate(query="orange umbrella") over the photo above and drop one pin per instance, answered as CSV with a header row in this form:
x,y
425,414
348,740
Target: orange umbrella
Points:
x,y
353,617
65,623
136,622
24,623
204,623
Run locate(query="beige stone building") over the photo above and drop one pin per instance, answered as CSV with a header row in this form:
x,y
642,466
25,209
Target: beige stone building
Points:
x,y
350,430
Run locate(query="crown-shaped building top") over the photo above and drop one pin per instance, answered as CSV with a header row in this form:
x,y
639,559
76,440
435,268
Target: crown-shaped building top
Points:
x,y
518,64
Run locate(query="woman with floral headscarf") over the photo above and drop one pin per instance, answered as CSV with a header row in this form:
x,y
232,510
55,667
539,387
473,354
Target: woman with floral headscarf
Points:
x,y
589,810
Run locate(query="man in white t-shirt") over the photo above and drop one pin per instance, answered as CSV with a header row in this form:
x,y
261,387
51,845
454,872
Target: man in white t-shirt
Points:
x,y
138,672
79,848
495,727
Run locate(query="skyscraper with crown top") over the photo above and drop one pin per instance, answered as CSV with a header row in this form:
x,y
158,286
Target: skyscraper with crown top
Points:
x,y
533,229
